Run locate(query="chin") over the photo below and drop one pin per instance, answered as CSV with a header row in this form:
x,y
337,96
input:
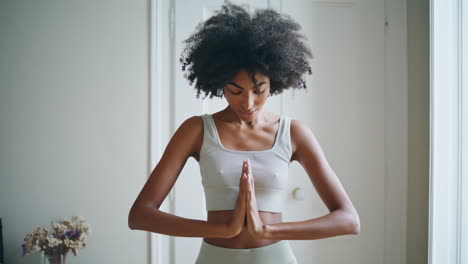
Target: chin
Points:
x,y
248,115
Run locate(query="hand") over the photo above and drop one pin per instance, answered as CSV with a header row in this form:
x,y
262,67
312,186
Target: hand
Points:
x,y
238,217
254,223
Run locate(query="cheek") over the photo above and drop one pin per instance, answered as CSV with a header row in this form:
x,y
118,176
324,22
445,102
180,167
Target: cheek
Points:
x,y
263,98
232,100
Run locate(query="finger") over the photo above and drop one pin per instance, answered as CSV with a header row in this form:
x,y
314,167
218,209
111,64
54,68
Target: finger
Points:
x,y
242,189
246,181
242,181
249,172
244,169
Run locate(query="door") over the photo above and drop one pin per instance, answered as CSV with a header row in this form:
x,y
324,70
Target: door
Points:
x,y
347,107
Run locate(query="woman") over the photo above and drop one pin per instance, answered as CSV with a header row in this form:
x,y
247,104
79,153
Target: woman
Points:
x,y
244,151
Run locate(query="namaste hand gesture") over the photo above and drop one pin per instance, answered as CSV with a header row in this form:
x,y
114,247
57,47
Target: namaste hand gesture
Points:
x,y
246,207
254,223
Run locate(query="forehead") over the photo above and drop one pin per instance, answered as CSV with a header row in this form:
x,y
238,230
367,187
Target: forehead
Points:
x,y
243,76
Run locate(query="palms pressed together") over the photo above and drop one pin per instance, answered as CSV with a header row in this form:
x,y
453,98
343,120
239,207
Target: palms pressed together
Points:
x,y
254,223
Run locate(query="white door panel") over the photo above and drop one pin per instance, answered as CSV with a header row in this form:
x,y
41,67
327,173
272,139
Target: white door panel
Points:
x,y
343,105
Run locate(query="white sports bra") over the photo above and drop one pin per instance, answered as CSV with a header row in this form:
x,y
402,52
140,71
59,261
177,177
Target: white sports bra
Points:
x,y
221,169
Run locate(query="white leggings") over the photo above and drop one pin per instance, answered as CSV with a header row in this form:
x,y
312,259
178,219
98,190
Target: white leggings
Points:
x,y
276,253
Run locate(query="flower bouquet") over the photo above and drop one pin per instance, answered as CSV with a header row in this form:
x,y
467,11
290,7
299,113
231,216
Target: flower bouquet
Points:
x,y
65,236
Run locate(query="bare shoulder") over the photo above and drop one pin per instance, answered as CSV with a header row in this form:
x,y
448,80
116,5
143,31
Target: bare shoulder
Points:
x,y
307,150
301,135
193,129
298,128
193,122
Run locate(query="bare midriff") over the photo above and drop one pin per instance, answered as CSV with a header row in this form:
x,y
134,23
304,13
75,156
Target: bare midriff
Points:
x,y
244,239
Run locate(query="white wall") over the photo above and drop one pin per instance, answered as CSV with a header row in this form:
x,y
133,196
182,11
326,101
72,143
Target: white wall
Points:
x,y
74,122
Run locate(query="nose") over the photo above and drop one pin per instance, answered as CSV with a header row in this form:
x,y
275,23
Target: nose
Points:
x,y
248,101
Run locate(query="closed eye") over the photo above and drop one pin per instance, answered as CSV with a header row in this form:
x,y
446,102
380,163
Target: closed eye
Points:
x,y
241,92
232,83
260,92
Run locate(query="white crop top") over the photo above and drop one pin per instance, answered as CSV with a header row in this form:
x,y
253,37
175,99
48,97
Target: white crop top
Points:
x,y
221,169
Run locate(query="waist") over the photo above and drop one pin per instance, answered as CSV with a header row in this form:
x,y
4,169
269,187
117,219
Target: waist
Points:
x,y
244,239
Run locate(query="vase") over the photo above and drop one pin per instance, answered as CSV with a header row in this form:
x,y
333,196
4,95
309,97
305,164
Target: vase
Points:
x,y
54,259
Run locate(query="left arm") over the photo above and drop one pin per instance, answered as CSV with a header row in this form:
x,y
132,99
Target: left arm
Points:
x,y
343,218
336,223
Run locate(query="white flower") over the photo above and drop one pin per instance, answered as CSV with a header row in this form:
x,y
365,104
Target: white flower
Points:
x,y
77,219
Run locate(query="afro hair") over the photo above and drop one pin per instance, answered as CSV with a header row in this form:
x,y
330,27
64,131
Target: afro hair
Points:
x,y
232,39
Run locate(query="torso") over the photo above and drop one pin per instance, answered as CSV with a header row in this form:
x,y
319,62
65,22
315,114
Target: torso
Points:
x,y
246,141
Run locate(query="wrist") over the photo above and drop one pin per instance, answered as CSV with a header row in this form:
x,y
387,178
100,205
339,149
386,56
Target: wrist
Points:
x,y
266,234
228,231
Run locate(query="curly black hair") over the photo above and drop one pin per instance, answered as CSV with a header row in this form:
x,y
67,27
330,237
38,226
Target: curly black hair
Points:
x,y
232,40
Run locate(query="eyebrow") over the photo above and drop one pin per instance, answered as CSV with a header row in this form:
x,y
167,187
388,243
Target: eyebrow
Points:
x,y
231,82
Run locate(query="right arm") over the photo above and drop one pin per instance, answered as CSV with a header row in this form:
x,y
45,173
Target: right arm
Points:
x,y
145,213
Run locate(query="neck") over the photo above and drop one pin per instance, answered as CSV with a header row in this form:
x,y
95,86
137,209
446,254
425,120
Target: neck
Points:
x,y
231,116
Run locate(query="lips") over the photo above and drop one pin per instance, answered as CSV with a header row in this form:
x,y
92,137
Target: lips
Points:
x,y
247,114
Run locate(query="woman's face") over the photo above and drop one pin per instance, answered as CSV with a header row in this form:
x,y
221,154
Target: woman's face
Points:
x,y
244,98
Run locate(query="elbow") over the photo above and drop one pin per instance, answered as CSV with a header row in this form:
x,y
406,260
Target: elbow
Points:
x,y
130,221
355,226
132,217
356,229
137,215
353,223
